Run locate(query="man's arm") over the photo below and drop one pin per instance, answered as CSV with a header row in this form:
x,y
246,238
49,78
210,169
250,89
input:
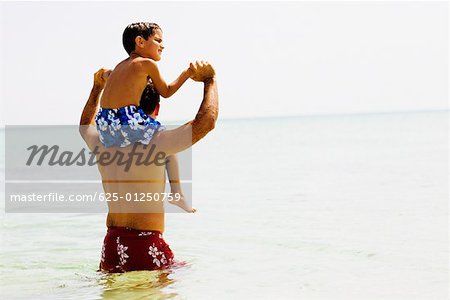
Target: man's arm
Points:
x,y
87,128
206,117
164,89
183,137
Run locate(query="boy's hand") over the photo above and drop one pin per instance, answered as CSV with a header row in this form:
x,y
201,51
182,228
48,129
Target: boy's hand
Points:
x,y
202,71
100,77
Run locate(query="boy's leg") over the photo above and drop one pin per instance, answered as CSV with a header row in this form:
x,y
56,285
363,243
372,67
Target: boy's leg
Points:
x,y
175,184
173,173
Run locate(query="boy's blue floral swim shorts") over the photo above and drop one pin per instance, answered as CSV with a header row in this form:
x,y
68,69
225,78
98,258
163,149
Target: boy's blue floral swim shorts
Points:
x,y
120,127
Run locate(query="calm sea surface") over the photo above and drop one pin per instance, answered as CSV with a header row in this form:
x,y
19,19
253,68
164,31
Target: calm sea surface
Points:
x,y
329,207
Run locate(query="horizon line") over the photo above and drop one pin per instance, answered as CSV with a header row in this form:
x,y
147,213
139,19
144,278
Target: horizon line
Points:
x,y
326,115
313,115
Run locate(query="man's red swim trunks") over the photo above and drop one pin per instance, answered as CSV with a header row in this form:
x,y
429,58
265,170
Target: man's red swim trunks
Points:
x,y
125,249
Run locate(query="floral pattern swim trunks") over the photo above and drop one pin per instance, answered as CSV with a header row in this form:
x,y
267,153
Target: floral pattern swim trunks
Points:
x,y
120,127
126,249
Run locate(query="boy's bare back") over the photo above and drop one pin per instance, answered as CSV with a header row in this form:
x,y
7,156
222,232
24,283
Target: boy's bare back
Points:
x,y
125,84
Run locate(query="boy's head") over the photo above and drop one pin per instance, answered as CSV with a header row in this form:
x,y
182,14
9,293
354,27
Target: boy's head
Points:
x,y
149,99
143,38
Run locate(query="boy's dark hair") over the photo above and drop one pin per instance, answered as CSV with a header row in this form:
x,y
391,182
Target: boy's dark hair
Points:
x,y
144,29
149,98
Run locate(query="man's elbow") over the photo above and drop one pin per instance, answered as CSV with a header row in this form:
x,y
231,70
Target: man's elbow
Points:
x,y
84,126
82,129
210,122
84,122
202,126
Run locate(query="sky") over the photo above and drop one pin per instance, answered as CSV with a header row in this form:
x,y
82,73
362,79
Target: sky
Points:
x,y
272,59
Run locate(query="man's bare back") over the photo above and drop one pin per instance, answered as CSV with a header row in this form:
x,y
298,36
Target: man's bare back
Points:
x,y
147,215
133,190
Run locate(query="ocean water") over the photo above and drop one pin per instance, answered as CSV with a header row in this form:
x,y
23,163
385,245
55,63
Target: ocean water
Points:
x,y
324,207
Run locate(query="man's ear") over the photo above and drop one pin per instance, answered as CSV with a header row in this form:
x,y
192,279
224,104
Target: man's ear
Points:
x,y
139,41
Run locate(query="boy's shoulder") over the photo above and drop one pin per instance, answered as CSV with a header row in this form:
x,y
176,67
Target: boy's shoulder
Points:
x,y
143,62
140,59
147,64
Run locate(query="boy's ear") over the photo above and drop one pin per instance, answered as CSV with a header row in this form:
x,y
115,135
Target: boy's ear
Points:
x,y
139,40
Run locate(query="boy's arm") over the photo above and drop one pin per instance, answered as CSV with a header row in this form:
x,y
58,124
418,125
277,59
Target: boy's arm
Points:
x,y
183,137
164,89
87,128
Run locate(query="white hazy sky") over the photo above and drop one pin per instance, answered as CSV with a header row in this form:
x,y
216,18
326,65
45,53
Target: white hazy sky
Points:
x,y
272,59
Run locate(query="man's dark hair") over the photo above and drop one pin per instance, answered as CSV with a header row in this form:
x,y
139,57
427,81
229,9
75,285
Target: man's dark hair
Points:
x,y
144,29
149,98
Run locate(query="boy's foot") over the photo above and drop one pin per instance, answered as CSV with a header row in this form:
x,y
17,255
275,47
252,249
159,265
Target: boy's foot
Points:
x,y
183,204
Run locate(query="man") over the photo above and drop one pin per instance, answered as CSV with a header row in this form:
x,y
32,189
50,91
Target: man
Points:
x,y
134,238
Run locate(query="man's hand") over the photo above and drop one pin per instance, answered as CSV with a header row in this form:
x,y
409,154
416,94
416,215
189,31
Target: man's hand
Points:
x,y
87,120
202,71
100,77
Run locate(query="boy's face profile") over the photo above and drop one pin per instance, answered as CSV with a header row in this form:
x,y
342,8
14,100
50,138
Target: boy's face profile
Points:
x,y
152,47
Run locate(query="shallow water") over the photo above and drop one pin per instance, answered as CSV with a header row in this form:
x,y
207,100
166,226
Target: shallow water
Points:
x,y
329,207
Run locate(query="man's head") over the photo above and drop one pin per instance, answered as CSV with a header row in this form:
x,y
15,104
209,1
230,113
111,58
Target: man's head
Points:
x,y
143,38
149,99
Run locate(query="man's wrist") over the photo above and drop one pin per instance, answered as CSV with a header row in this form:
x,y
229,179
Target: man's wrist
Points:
x,y
210,80
97,88
187,74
